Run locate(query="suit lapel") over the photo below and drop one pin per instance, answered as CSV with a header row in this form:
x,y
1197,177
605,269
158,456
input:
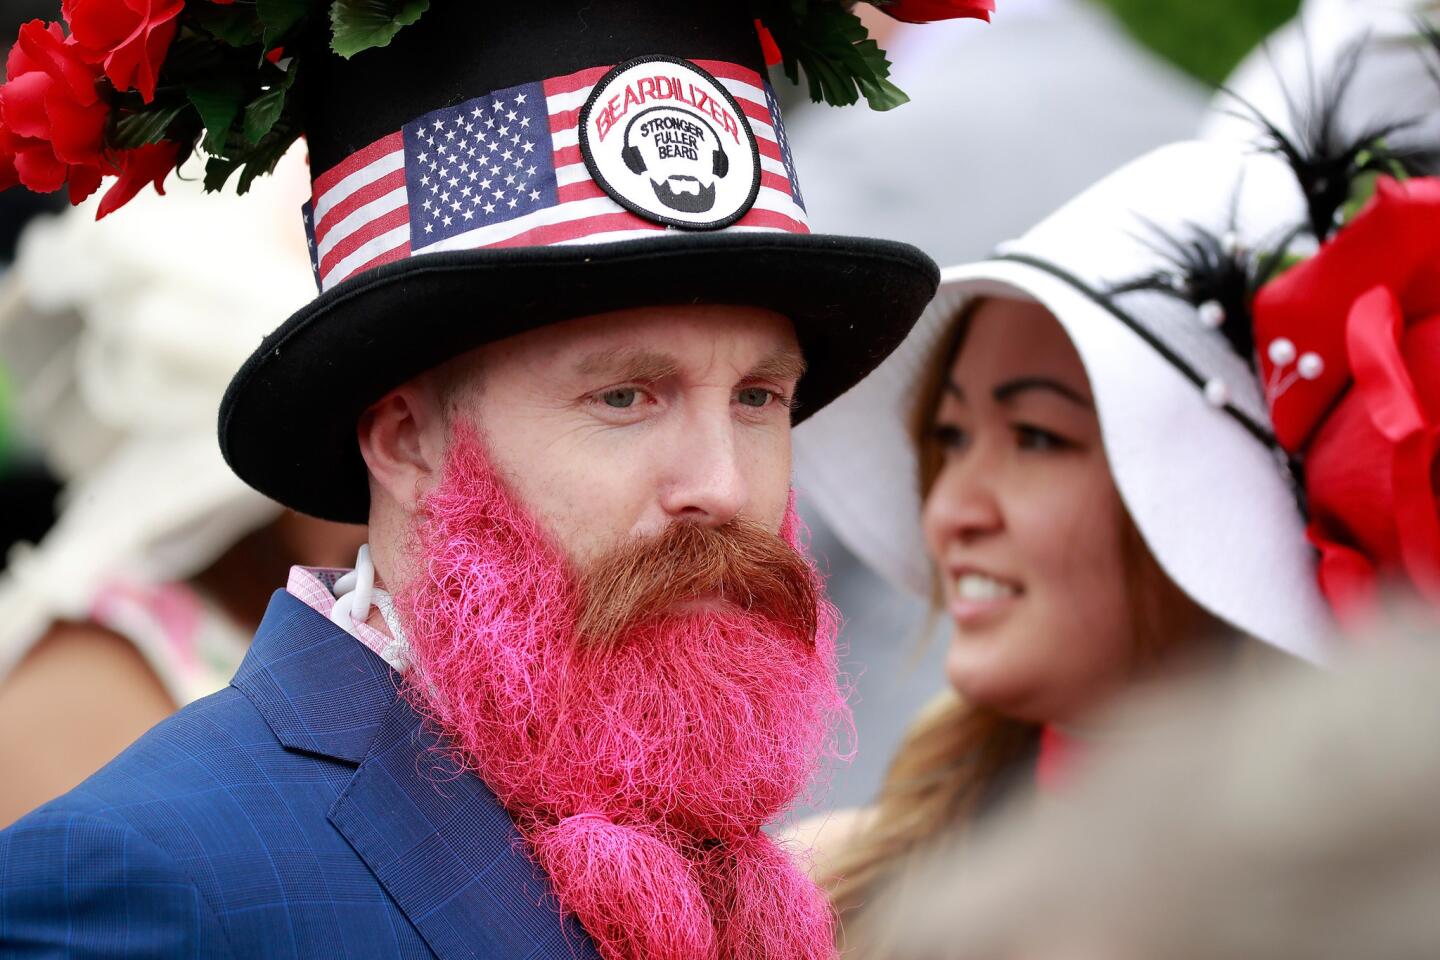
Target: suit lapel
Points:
x,y
447,852
320,690
434,835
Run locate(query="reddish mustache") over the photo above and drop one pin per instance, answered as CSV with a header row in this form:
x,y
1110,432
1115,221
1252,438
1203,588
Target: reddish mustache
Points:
x,y
740,562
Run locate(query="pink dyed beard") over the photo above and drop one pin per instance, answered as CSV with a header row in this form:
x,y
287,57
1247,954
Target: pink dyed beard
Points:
x,y
641,771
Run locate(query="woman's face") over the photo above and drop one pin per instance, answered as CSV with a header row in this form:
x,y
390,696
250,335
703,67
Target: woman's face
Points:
x,y
1025,525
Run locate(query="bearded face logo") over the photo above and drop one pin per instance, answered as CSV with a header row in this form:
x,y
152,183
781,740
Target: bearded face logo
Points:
x,y
681,155
669,142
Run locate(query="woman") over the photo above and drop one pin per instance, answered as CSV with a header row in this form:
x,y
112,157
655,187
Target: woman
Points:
x,y
1105,499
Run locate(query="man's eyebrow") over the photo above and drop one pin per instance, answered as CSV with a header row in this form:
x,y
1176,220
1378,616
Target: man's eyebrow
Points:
x,y
783,365
628,364
1009,390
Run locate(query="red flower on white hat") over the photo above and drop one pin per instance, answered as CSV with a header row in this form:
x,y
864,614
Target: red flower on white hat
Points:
x,y
1349,352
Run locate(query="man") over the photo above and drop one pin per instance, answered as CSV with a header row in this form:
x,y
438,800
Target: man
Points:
x,y
595,646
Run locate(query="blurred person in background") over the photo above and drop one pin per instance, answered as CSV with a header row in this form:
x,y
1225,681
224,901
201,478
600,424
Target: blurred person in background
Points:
x,y
122,336
1119,446
1287,816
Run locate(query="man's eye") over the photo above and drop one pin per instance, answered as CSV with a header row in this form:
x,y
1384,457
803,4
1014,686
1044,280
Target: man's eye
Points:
x,y
754,396
620,398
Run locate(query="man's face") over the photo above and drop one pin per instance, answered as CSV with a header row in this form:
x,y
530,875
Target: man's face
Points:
x,y
612,621
615,426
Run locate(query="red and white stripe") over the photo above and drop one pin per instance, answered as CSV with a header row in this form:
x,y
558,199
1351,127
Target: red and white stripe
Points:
x,y
362,217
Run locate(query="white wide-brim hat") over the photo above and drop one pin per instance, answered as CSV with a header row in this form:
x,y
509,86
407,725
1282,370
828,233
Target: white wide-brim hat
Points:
x,y
1182,415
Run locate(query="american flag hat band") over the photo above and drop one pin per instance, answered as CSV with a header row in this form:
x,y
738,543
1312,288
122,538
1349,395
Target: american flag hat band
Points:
x,y
603,154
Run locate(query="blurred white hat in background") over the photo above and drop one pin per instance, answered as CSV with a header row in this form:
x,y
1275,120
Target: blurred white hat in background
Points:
x,y
119,338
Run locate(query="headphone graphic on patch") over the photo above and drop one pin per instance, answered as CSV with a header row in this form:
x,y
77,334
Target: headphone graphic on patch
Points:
x,y
719,160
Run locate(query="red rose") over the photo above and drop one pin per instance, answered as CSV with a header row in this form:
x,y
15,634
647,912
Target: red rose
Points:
x,y
8,176
927,11
151,163
1349,349
130,37
54,112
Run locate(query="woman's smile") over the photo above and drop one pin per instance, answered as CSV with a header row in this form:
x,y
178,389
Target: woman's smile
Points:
x,y
978,598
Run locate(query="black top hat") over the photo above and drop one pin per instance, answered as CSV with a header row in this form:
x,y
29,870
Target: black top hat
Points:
x,y
501,167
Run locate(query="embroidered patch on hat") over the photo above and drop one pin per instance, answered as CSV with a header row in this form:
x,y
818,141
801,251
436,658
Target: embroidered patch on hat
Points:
x,y
667,141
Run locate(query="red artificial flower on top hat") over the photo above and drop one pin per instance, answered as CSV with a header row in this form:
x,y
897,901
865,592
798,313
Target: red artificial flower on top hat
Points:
x,y
1349,349
52,107
928,11
9,177
129,37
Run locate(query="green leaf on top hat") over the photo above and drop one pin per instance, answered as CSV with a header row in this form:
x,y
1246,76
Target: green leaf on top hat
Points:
x,y
149,124
265,110
218,171
218,100
279,17
257,160
234,24
830,43
262,162
362,24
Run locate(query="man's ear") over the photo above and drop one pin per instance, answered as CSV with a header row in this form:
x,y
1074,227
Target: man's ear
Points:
x,y
403,440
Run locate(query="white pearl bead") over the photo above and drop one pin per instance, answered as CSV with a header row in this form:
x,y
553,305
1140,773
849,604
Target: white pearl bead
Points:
x,y
1281,351
1311,365
1217,394
1212,315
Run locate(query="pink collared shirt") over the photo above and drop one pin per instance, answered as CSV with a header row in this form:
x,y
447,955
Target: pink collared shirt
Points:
x,y
315,587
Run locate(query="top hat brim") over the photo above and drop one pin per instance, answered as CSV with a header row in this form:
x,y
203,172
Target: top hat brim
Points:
x,y
288,419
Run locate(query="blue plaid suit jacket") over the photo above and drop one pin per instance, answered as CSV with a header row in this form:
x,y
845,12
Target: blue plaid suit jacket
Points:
x,y
301,812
